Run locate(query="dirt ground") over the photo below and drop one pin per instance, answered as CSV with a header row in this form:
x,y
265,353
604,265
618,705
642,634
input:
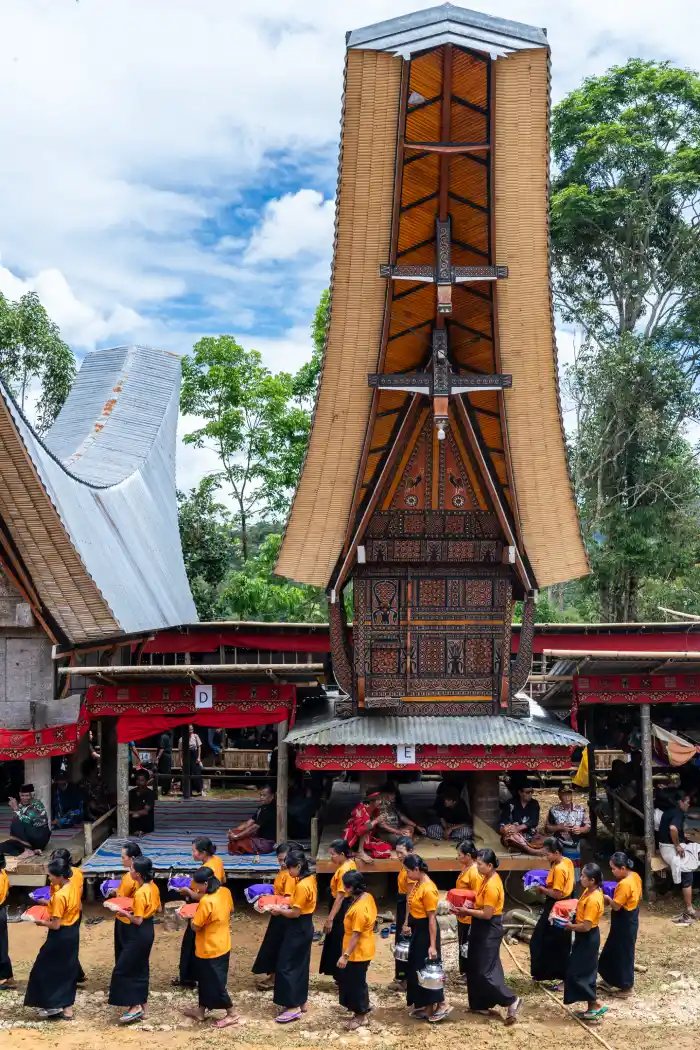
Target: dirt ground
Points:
x,y
665,1010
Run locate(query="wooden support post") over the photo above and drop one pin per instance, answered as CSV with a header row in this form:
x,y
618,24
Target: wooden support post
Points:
x,y
617,834
314,836
648,795
592,776
186,777
122,791
282,779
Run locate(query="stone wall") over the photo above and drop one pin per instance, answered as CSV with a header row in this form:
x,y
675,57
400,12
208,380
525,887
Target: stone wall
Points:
x,y
26,667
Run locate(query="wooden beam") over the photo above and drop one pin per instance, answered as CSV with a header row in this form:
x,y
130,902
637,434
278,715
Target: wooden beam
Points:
x,y
282,779
620,654
648,798
122,791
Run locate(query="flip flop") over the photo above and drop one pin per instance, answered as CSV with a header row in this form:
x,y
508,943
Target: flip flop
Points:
x,y
228,1021
512,1015
288,1016
593,1015
131,1018
440,1015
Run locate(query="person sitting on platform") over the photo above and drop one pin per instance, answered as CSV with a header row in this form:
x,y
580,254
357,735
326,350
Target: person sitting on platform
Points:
x,y
453,815
142,802
568,822
257,835
67,803
358,830
95,800
29,830
520,819
390,823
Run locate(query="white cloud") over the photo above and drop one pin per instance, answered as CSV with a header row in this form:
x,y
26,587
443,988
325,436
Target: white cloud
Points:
x,y
293,225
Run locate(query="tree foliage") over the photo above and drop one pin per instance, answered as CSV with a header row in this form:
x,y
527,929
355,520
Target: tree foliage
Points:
x,y
31,349
626,260
252,592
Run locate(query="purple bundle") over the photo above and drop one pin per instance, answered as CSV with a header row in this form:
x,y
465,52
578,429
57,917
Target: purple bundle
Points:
x,y
536,877
609,887
41,895
108,885
179,882
259,889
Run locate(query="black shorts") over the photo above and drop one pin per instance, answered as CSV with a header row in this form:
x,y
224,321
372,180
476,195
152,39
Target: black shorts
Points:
x,y
686,878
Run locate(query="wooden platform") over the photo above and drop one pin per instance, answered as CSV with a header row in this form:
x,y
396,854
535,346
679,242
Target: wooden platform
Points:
x,y
417,799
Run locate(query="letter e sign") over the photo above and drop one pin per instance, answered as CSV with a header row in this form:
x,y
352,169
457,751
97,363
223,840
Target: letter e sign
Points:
x,y
203,697
405,755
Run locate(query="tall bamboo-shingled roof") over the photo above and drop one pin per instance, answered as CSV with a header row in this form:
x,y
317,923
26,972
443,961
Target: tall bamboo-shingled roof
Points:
x,y
385,212
88,512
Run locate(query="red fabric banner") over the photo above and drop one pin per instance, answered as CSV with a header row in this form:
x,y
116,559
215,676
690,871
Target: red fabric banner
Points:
x,y
434,757
208,641
42,743
179,699
137,727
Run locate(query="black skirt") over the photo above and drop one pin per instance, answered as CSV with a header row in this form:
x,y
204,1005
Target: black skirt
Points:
x,y
54,975
333,943
188,966
266,959
550,948
119,928
353,992
130,977
463,931
400,967
417,958
616,963
212,977
486,983
581,973
293,962
5,964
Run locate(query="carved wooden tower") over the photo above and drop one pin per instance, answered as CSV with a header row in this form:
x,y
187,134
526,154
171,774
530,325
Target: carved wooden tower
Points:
x,y
436,478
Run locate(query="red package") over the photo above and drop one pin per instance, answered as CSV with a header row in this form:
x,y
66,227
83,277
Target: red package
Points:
x,y
270,900
458,897
37,913
119,904
563,909
187,910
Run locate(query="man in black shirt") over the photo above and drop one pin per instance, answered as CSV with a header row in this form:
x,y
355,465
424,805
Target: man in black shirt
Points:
x,y
258,834
164,762
453,816
142,804
680,855
520,820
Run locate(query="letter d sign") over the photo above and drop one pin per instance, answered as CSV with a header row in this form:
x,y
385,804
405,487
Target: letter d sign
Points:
x,y
203,697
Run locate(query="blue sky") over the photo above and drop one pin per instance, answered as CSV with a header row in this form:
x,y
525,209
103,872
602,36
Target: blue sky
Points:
x,y
168,166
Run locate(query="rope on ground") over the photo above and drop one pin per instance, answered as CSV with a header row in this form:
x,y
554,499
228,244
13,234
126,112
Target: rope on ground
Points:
x,y
565,1008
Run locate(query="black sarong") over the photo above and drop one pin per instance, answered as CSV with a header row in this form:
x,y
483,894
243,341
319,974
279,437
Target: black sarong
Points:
x,y
353,993
333,943
212,978
486,983
293,962
5,964
36,838
130,977
54,975
463,931
616,963
266,959
582,971
550,948
119,928
400,967
188,966
417,958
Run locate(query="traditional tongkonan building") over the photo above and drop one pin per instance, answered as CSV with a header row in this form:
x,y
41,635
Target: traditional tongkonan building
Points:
x,y
435,489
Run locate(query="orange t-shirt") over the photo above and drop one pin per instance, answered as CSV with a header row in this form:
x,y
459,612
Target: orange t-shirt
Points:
x,y
468,880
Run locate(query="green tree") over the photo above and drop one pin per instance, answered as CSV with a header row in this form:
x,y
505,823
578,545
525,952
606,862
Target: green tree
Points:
x,y
626,266
31,349
253,592
306,379
206,534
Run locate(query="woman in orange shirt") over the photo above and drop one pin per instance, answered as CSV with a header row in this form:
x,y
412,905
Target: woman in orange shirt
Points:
x,y
422,901
358,950
616,963
550,945
7,978
131,975
266,959
77,881
127,888
212,932
468,879
294,956
204,853
582,969
340,855
54,978
403,847
485,980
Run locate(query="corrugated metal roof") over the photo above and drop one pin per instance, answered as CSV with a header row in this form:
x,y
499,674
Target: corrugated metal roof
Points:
x,y
108,466
447,24
448,731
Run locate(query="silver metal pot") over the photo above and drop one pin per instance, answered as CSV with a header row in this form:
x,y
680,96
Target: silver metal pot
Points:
x,y
432,976
401,949
464,950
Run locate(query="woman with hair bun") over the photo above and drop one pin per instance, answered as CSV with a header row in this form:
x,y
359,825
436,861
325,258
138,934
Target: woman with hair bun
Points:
x,y
212,933
7,977
266,959
294,956
126,888
358,950
54,978
131,975
341,856
422,927
204,852
486,982
616,963
550,945
77,881
404,846
582,969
